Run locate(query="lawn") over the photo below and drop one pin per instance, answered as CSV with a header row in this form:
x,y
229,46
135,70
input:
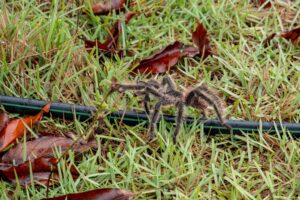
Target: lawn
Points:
x,y
43,57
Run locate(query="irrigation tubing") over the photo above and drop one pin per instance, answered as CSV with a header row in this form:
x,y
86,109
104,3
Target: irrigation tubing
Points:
x,y
83,113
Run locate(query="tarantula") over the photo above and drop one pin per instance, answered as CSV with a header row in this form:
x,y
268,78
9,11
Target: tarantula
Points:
x,y
199,97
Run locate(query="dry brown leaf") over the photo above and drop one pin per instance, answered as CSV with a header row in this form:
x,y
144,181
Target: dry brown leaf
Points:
x,y
3,120
98,194
44,147
200,39
106,7
39,168
292,35
15,128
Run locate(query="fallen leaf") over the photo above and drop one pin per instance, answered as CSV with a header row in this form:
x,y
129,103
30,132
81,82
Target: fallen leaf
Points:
x,y
115,32
162,60
98,194
44,146
89,45
15,128
104,8
40,169
200,39
110,45
3,120
292,35
190,51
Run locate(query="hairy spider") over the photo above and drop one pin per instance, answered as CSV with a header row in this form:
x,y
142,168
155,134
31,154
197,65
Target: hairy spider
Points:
x,y
199,97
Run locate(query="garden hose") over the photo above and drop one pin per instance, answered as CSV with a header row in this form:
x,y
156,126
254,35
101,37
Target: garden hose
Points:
x,y
83,113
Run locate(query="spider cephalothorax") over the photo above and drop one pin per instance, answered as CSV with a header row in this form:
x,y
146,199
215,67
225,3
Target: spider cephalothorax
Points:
x,y
199,97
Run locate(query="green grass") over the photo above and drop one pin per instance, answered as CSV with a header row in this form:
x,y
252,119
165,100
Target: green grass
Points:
x,y
43,57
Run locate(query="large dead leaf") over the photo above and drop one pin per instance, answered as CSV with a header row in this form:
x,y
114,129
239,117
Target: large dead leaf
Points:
x,y
292,35
162,60
3,120
44,147
110,45
15,128
98,194
39,168
200,39
106,7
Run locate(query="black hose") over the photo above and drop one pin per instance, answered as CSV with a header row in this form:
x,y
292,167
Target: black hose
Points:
x,y
60,110
83,113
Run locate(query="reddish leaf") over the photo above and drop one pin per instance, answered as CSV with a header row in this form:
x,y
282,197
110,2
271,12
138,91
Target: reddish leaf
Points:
x,y
104,8
162,60
98,194
190,51
40,169
15,128
89,45
292,35
110,45
200,39
3,120
43,147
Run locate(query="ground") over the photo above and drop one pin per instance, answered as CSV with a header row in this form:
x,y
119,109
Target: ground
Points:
x,y
43,57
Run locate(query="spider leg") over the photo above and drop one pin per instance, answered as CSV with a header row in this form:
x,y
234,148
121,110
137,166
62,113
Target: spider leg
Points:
x,y
179,119
154,119
151,82
215,105
153,91
143,88
189,99
146,101
154,83
204,114
171,87
167,80
155,116
220,116
122,88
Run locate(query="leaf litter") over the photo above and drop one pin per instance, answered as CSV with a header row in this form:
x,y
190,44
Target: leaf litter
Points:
x,y
39,169
111,43
44,147
98,194
102,8
291,35
16,128
39,161
164,59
